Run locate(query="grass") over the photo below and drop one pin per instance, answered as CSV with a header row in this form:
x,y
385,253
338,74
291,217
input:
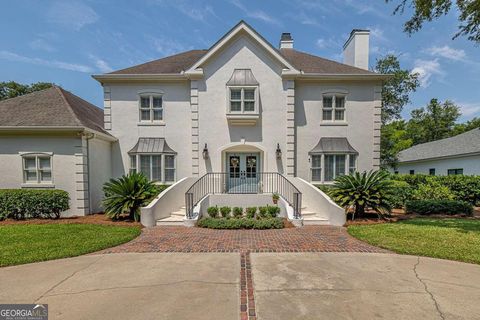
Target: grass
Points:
x,y
39,242
453,239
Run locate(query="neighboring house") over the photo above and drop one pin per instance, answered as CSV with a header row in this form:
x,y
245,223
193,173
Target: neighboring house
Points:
x,y
243,108
455,155
54,139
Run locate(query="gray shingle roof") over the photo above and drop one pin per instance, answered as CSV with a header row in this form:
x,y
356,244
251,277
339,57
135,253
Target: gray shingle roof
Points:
x,y
465,143
302,61
52,107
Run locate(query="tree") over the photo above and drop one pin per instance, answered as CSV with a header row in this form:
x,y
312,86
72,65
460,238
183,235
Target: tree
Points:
x,y
434,122
363,190
396,90
127,194
428,10
12,89
394,139
467,126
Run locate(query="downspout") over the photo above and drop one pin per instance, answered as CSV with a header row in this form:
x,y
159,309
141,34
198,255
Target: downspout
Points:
x,y
89,136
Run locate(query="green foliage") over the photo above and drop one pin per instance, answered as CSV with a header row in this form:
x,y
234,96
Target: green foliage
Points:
x,y
363,190
225,211
251,212
394,138
463,188
273,211
427,207
396,90
275,196
12,89
262,212
212,211
467,13
432,189
401,191
237,212
325,188
241,223
32,203
127,194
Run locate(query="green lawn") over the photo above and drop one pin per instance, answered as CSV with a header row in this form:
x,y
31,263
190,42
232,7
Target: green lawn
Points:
x,y
454,239
31,243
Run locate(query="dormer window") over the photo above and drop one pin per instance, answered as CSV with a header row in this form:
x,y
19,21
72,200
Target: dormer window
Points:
x,y
242,100
243,97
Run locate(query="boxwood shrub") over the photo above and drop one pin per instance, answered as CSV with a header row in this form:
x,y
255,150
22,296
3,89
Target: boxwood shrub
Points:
x,y
241,223
32,203
427,207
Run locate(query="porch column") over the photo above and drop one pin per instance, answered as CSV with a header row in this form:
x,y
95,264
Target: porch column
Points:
x,y
195,131
290,149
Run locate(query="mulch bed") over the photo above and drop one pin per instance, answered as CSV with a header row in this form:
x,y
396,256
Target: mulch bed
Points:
x,y
98,218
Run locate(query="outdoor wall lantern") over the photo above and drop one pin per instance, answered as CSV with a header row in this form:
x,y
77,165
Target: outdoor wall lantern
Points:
x,y
205,152
278,152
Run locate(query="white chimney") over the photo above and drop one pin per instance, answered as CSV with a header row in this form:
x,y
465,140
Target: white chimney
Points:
x,y
286,41
355,50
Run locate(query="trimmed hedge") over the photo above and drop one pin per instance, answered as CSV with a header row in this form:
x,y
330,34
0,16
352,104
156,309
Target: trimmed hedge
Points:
x,y
241,223
428,207
32,203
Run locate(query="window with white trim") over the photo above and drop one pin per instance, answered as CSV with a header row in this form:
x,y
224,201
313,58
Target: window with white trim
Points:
x,y
352,165
37,168
157,167
333,108
316,167
332,166
151,108
242,100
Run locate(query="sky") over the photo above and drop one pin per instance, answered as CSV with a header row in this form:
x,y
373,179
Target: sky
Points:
x,y
65,42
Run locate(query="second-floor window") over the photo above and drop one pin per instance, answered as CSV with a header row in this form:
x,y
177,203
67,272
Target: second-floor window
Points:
x,y
242,100
151,108
333,108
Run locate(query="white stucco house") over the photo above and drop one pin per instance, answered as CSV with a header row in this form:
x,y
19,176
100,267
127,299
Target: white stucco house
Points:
x,y
243,117
459,154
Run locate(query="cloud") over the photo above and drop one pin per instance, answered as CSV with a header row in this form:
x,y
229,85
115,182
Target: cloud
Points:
x,y
74,15
11,56
255,14
468,109
377,34
40,44
323,43
426,69
101,65
166,47
304,19
447,53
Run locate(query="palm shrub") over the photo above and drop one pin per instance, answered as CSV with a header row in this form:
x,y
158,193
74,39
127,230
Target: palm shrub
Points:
x,y
127,194
370,189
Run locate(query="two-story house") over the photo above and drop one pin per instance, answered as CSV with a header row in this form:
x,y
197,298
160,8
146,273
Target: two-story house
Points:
x,y
249,118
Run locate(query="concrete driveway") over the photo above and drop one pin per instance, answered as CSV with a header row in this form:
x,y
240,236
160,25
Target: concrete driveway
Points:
x,y
285,286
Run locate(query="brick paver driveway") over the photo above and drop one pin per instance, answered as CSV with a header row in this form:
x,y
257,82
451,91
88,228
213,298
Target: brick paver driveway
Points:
x,y
306,239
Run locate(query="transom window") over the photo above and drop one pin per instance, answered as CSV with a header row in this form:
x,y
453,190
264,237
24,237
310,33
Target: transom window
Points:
x,y
334,165
242,100
157,167
333,108
151,108
37,169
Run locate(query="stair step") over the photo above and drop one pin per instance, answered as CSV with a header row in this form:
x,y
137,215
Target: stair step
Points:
x,y
178,213
315,220
170,221
308,213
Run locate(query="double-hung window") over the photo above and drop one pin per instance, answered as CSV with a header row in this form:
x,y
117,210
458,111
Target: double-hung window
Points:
x,y
242,100
37,169
157,167
333,108
332,166
151,108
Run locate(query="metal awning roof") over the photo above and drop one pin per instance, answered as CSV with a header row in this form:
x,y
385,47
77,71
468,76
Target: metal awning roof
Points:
x,y
242,77
333,145
151,145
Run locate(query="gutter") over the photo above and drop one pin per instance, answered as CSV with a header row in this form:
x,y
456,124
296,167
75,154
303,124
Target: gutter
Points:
x,y
140,77
336,76
57,129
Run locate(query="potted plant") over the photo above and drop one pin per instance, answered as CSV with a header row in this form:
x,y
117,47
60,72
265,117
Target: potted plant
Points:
x,y
275,198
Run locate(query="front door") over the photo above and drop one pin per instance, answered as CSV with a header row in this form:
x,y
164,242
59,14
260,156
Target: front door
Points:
x,y
242,172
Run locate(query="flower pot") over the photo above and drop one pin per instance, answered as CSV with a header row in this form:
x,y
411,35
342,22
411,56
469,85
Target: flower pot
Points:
x,y
275,201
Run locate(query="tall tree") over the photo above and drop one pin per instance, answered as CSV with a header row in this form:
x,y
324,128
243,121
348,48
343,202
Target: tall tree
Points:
x,y
12,89
466,126
395,138
396,90
435,121
467,11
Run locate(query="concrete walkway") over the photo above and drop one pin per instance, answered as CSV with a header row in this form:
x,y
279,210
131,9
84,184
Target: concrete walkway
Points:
x,y
211,286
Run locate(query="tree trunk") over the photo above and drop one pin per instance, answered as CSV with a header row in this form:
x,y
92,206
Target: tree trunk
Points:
x,y
132,214
359,210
